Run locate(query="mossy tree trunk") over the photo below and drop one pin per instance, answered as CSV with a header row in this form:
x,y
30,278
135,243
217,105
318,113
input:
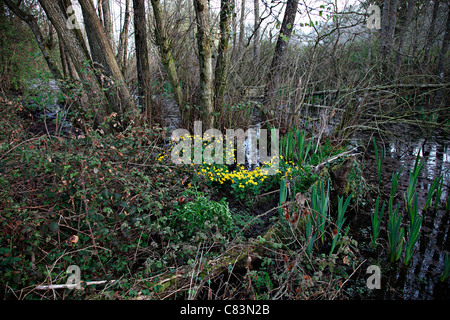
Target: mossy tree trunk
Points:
x,y
166,54
42,43
205,63
221,72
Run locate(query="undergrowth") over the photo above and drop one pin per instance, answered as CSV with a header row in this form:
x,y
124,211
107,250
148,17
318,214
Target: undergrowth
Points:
x,y
111,205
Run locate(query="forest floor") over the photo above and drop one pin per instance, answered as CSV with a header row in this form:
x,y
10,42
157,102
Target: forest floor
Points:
x,y
115,206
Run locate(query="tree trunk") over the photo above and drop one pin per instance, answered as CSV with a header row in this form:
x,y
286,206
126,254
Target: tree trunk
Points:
x,y
388,22
122,52
166,53
430,34
256,33
221,75
102,54
285,32
63,57
441,62
234,24
142,58
76,51
107,23
409,15
64,5
205,63
242,25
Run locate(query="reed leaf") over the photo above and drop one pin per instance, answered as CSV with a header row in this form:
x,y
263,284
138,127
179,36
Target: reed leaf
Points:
x,y
439,193
433,189
395,234
414,229
342,207
379,161
413,237
446,272
319,205
283,195
395,178
413,178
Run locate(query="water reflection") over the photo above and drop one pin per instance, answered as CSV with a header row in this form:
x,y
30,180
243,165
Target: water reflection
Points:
x,y
421,278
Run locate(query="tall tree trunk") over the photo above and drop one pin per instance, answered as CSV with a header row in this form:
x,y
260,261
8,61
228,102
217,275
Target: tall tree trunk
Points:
x,y
256,33
205,62
107,23
166,53
99,104
280,48
120,98
221,74
64,5
408,19
122,52
430,34
64,64
242,25
234,26
388,22
441,62
72,71
142,58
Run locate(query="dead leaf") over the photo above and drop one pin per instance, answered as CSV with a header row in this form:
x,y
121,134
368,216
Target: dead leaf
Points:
x,y
300,199
73,239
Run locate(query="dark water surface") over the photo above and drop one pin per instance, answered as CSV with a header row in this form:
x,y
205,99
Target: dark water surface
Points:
x,y
421,279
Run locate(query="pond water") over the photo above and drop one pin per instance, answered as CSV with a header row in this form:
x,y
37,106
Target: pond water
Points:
x,y
421,279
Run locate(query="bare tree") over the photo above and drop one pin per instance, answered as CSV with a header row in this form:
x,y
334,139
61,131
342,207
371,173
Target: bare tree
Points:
x,y
122,52
440,66
142,57
408,19
242,25
388,22
256,32
285,32
430,34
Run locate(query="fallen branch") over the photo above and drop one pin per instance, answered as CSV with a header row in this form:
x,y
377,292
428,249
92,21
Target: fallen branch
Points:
x,y
72,285
381,87
320,165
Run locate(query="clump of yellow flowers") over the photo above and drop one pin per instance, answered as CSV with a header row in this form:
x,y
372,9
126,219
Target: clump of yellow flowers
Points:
x,y
240,178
